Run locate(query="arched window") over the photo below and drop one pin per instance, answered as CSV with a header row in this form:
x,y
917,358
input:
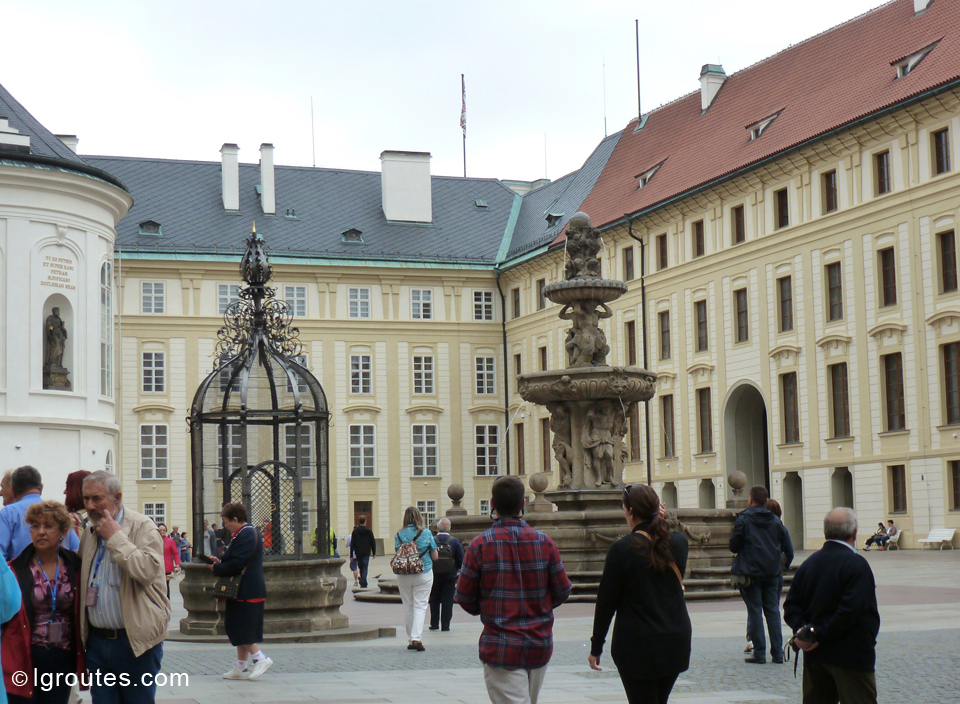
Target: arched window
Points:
x,y
106,330
108,465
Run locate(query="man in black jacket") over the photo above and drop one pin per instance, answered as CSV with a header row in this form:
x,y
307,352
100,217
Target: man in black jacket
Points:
x,y
835,593
363,546
758,539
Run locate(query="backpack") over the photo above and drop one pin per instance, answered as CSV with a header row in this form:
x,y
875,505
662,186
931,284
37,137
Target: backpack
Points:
x,y
445,563
407,560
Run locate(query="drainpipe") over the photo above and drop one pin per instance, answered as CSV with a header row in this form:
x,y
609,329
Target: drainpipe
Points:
x,y
643,324
506,375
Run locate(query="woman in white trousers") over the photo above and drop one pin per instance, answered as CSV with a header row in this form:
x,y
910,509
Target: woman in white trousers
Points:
x,y
415,588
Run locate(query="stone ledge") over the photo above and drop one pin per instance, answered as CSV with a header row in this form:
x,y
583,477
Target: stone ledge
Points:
x,y
336,635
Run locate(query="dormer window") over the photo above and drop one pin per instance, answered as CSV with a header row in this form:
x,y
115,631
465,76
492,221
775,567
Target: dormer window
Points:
x,y
644,178
352,236
758,128
480,203
150,227
552,218
906,64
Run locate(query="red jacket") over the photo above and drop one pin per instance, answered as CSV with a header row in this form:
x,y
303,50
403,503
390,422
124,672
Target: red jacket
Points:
x,y
15,641
171,554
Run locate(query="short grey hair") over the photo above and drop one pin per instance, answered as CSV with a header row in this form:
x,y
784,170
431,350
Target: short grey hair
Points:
x,y
840,524
111,482
443,525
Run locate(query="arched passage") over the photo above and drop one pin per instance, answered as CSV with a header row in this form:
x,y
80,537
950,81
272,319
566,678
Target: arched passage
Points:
x,y
745,435
793,507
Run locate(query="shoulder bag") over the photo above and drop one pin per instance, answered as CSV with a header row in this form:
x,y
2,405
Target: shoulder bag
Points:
x,y
229,587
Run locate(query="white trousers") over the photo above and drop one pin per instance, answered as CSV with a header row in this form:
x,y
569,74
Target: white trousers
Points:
x,y
415,595
513,686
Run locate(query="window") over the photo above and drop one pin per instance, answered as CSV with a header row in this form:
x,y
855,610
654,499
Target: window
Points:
x,y
888,274
484,507
791,409
835,291
738,225
517,370
521,449
421,304
226,294
229,454
156,511
633,419
893,388
954,466
941,151
300,359
627,263
951,382
948,261
486,375
630,336
785,296
829,191
153,451
898,488
840,400
541,299
153,372
108,463
225,374
664,318
516,302
423,374
545,444
705,420
428,509
363,450
701,315
743,315
483,305
881,167
698,242
543,359
781,204
296,297
661,252
667,426
360,374
304,514
425,451
488,445
290,442
359,302
151,299
106,330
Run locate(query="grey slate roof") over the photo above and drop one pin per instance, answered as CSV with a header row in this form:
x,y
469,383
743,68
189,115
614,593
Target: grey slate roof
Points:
x,y
565,195
42,140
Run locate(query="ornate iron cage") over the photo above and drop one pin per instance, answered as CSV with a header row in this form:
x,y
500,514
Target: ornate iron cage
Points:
x,y
259,424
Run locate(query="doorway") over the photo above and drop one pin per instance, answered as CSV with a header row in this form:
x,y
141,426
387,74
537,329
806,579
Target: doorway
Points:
x,y
793,507
365,509
745,436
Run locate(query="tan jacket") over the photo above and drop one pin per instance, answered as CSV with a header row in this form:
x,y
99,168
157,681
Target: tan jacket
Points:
x,y
138,551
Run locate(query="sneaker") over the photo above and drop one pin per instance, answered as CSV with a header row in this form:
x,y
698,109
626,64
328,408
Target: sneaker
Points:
x,y
867,549
749,647
417,645
236,674
756,659
411,646
259,667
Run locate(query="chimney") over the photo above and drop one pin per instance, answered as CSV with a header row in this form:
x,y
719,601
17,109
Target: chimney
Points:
x,y
921,6
70,140
712,78
268,191
405,186
230,173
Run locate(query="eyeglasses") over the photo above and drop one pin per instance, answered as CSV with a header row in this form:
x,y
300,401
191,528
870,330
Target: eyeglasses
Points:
x,y
626,491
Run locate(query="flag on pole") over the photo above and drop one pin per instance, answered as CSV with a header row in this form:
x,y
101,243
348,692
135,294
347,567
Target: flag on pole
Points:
x,y
463,109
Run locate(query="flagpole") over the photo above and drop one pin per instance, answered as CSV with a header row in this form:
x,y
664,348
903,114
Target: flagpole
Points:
x,y
463,121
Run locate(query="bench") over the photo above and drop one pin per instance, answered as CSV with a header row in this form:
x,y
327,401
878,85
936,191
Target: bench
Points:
x,y
894,541
944,536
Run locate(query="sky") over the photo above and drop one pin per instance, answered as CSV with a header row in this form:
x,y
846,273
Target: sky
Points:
x,y
545,79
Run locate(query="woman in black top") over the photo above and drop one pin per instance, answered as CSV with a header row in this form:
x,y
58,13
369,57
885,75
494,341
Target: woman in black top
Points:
x,y
641,584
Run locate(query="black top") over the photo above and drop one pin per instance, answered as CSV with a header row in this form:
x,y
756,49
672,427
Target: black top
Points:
x,y
21,568
652,635
456,546
362,542
834,591
758,539
248,545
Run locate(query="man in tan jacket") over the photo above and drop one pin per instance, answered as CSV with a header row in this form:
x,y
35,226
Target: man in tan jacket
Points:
x,y
123,589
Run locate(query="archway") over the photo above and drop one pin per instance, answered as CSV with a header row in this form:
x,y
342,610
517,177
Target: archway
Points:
x,y
793,507
745,435
708,494
669,495
841,485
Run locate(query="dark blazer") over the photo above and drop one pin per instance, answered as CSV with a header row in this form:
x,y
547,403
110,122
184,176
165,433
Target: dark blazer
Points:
x,y
248,545
652,635
834,591
758,539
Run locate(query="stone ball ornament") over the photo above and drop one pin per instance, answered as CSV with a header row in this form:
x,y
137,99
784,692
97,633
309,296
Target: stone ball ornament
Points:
x,y
539,482
455,492
737,481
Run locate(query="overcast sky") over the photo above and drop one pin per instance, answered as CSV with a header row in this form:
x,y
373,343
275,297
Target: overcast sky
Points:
x,y
178,79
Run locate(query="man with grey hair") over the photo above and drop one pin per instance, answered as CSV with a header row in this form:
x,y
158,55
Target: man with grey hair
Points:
x,y
124,592
832,609
445,570
6,490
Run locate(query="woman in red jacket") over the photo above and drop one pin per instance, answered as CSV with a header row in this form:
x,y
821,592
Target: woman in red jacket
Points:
x,y
171,555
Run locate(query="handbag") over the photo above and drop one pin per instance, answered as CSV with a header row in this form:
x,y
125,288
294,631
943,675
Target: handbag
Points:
x,y
229,587
407,560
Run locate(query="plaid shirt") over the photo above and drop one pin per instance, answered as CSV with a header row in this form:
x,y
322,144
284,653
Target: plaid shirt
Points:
x,y
513,577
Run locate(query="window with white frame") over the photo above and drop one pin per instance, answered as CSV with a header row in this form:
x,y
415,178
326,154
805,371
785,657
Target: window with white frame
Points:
x,y
154,451
108,463
234,454
425,451
484,507
154,372
300,359
224,379
359,299
428,509
422,374
360,374
152,297
296,297
421,304
227,294
156,510
488,443
363,450
106,330
486,375
483,305
304,514
290,443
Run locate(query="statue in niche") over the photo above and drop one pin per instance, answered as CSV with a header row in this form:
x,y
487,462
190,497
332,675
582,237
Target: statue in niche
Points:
x,y
562,448
586,343
582,247
54,344
599,442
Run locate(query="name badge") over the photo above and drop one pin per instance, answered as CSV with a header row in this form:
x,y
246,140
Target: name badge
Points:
x,y
93,592
54,632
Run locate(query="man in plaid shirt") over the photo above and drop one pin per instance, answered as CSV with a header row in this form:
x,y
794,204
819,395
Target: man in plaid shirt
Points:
x,y
513,577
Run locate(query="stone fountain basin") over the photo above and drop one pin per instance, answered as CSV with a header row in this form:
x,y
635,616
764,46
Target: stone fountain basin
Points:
x,y
629,384
574,290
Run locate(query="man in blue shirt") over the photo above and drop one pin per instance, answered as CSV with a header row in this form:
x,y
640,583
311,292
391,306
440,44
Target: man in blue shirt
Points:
x,y
26,484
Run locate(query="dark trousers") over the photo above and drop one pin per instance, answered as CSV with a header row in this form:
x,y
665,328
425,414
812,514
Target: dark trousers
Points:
x,y
363,562
48,663
655,690
115,656
441,600
762,598
827,684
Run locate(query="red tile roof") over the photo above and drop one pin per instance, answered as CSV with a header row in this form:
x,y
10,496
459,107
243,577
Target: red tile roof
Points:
x,y
823,83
